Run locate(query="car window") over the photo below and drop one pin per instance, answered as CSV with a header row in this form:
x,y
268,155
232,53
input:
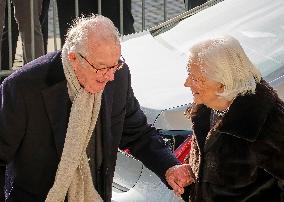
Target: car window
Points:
x,y
173,119
263,39
174,138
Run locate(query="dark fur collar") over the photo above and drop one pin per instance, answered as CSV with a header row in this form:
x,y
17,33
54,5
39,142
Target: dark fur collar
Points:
x,y
245,117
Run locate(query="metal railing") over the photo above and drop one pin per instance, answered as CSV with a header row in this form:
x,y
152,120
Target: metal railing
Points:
x,y
168,24
154,30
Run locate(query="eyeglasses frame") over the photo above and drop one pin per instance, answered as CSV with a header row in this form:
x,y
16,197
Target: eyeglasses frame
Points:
x,y
118,66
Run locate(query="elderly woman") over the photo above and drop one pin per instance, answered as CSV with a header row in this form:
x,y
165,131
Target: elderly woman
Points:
x,y
238,122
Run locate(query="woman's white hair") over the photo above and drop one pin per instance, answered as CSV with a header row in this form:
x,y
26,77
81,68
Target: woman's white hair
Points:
x,y
223,60
78,34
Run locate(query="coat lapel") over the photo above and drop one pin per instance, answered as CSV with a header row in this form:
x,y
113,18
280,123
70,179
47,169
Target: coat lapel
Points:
x,y
106,110
58,104
248,113
201,124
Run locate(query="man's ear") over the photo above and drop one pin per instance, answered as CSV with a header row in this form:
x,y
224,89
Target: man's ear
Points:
x,y
71,56
73,59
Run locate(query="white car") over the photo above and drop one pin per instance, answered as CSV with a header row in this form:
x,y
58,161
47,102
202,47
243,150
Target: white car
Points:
x,y
157,64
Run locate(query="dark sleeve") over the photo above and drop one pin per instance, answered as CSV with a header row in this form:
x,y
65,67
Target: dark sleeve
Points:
x,y
12,125
270,156
143,140
2,183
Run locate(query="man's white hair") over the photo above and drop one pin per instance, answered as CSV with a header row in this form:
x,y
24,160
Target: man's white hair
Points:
x,y
78,34
223,60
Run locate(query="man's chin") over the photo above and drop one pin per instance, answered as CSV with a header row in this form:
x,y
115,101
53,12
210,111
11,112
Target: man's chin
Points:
x,y
94,91
98,89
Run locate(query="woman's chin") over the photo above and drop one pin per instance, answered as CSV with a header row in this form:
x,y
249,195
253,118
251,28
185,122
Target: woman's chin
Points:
x,y
196,100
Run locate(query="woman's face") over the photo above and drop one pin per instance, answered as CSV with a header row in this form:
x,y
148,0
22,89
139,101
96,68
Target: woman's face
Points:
x,y
204,90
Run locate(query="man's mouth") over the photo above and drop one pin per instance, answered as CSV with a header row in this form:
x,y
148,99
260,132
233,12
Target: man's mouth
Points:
x,y
101,82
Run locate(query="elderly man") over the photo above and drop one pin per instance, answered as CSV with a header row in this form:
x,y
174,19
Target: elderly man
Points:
x,y
62,122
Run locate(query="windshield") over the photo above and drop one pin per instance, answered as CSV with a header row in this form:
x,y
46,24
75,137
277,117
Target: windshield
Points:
x,y
258,25
263,39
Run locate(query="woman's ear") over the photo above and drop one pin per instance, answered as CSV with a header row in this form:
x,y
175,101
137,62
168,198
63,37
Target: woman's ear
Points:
x,y
221,88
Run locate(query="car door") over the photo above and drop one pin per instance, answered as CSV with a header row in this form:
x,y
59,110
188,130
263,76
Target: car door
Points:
x,y
127,172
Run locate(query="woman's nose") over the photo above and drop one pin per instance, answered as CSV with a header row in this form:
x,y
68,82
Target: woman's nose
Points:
x,y
187,82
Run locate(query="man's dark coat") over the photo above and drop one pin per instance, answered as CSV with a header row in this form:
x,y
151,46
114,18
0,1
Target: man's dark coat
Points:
x,y
242,158
34,112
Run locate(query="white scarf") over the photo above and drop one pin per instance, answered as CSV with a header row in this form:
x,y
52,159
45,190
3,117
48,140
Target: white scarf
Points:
x,y
73,174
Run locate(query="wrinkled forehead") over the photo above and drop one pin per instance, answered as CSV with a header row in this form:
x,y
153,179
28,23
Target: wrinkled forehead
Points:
x,y
102,38
196,72
107,46
98,44
202,51
201,54
196,64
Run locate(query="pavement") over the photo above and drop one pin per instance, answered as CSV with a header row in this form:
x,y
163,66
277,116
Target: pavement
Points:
x,y
154,15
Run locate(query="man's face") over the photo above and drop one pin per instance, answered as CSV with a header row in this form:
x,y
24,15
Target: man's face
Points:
x,y
97,66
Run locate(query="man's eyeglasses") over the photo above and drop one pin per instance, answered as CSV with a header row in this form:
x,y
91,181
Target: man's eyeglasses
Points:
x,y
103,71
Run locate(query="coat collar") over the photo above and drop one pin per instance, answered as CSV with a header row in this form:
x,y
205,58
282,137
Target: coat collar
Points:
x,y
57,101
246,115
106,110
58,106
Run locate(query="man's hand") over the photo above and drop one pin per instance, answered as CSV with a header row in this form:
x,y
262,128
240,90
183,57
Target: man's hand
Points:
x,y
178,177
